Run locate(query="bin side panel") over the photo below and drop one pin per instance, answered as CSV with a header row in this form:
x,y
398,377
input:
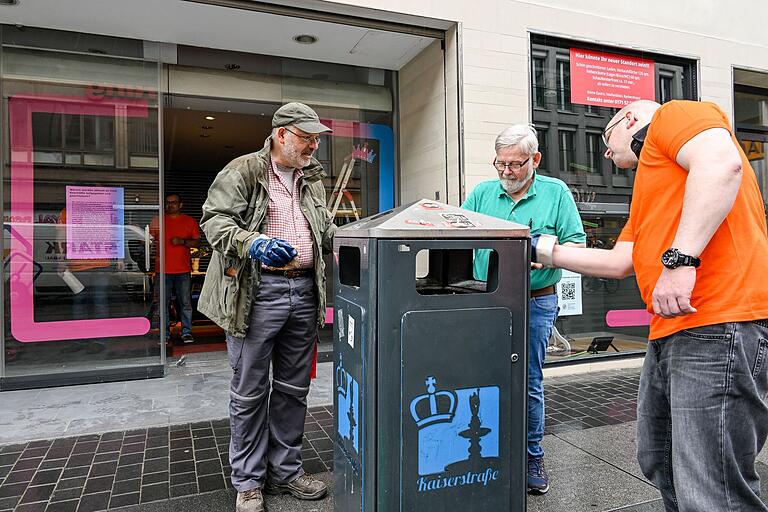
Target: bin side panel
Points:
x,y
353,385
457,409
349,403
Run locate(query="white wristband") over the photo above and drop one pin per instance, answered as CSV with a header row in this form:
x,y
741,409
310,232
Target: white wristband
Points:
x,y
544,250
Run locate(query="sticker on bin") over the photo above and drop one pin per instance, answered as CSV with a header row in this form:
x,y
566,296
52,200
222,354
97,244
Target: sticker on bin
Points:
x,y
458,436
351,331
419,222
457,220
429,205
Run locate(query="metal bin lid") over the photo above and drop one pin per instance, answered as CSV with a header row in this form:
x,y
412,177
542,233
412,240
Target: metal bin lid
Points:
x,y
427,218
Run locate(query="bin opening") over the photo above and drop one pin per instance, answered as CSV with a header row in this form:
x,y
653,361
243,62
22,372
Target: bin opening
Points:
x,y
349,266
449,272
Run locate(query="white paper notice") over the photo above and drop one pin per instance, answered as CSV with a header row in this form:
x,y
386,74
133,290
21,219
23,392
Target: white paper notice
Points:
x,y
569,294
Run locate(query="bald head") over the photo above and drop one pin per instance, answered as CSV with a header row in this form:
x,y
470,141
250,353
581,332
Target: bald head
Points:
x,y
642,110
619,131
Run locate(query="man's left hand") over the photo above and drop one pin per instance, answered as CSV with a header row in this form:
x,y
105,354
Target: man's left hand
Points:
x,y
177,240
672,294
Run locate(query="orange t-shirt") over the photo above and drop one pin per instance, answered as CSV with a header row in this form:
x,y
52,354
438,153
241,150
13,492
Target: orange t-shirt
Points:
x,y
176,256
729,285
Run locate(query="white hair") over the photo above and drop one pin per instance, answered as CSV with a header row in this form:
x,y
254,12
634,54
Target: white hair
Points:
x,y
522,135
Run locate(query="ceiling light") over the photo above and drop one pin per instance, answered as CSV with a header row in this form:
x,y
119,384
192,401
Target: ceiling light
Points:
x,y
204,135
305,39
9,2
210,118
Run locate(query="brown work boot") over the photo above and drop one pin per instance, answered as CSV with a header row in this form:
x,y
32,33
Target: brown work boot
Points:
x,y
304,488
250,501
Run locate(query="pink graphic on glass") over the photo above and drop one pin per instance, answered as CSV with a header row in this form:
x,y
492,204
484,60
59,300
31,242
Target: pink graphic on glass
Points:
x,y
22,267
627,318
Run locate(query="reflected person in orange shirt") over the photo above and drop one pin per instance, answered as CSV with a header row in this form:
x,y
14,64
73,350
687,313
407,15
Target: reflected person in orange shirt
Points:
x,y
181,234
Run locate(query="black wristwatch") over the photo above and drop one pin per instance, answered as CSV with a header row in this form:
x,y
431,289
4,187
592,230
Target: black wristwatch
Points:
x,y
673,258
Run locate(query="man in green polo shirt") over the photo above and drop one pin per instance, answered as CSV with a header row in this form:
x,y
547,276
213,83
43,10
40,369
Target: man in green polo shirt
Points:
x,y
545,205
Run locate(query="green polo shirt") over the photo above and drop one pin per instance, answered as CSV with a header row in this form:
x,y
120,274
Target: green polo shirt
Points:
x,y
547,207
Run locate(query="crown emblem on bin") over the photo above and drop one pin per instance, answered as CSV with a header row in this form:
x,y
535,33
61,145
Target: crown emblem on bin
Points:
x,y
434,406
341,378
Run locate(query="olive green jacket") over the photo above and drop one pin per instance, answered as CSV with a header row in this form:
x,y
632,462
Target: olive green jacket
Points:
x,y
233,215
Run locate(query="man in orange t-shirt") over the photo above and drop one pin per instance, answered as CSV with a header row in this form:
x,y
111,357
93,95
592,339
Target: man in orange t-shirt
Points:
x,y
181,234
696,240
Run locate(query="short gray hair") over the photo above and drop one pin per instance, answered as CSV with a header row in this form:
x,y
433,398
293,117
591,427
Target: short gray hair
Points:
x,y
523,135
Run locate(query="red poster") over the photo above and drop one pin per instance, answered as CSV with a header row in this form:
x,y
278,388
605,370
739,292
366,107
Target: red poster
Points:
x,y
610,80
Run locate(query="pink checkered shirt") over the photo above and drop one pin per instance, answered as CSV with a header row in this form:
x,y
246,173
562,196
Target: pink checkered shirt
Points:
x,y
284,217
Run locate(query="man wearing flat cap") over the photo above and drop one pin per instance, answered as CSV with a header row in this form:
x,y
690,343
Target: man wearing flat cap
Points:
x,y
266,219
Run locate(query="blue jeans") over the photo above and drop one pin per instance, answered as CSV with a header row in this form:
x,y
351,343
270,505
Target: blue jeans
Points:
x,y
543,315
702,417
182,285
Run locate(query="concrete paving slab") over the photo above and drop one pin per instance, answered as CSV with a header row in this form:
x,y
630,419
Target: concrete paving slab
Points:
x,y
580,481
651,506
614,443
123,421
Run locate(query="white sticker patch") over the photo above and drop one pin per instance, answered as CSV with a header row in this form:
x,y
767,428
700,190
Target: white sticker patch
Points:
x,y
351,331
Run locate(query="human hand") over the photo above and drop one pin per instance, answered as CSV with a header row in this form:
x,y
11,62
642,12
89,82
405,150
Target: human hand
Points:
x,y
672,294
273,252
177,240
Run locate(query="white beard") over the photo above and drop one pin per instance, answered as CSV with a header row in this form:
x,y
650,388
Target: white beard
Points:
x,y
295,158
513,186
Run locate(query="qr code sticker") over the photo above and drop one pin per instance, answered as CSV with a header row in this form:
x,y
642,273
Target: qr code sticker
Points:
x,y
568,290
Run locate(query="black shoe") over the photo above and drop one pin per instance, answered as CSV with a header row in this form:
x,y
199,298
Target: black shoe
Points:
x,y
538,480
187,338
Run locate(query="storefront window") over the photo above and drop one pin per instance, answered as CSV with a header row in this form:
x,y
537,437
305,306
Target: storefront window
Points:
x,y
77,288
570,128
751,116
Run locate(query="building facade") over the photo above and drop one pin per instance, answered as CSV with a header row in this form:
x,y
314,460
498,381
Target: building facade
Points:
x,y
107,107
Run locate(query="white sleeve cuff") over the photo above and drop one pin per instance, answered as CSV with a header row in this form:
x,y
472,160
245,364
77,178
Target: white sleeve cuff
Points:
x,y
544,250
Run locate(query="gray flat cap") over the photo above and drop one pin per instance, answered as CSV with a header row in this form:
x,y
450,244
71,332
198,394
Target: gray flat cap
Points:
x,y
300,116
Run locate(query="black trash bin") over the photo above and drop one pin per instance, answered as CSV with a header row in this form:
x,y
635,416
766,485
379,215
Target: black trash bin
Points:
x,y
429,363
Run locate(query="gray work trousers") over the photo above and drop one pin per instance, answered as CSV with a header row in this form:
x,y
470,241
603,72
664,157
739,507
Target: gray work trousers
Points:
x,y
267,428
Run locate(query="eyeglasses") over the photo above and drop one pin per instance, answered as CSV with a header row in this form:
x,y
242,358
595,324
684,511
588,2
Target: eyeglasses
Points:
x,y
606,135
512,166
306,138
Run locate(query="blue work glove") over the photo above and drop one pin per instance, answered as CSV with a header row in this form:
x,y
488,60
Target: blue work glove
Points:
x,y
534,243
272,252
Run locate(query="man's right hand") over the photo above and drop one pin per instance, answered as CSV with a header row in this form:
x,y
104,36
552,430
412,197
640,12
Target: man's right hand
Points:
x,y
272,252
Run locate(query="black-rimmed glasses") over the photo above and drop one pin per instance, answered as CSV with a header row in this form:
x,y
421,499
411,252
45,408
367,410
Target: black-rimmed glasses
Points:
x,y
512,166
306,138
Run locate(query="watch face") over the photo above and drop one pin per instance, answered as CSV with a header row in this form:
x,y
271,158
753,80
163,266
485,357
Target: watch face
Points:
x,y
670,258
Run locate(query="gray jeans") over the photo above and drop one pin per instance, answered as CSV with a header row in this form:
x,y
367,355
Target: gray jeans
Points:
x,y
702,417
267,428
